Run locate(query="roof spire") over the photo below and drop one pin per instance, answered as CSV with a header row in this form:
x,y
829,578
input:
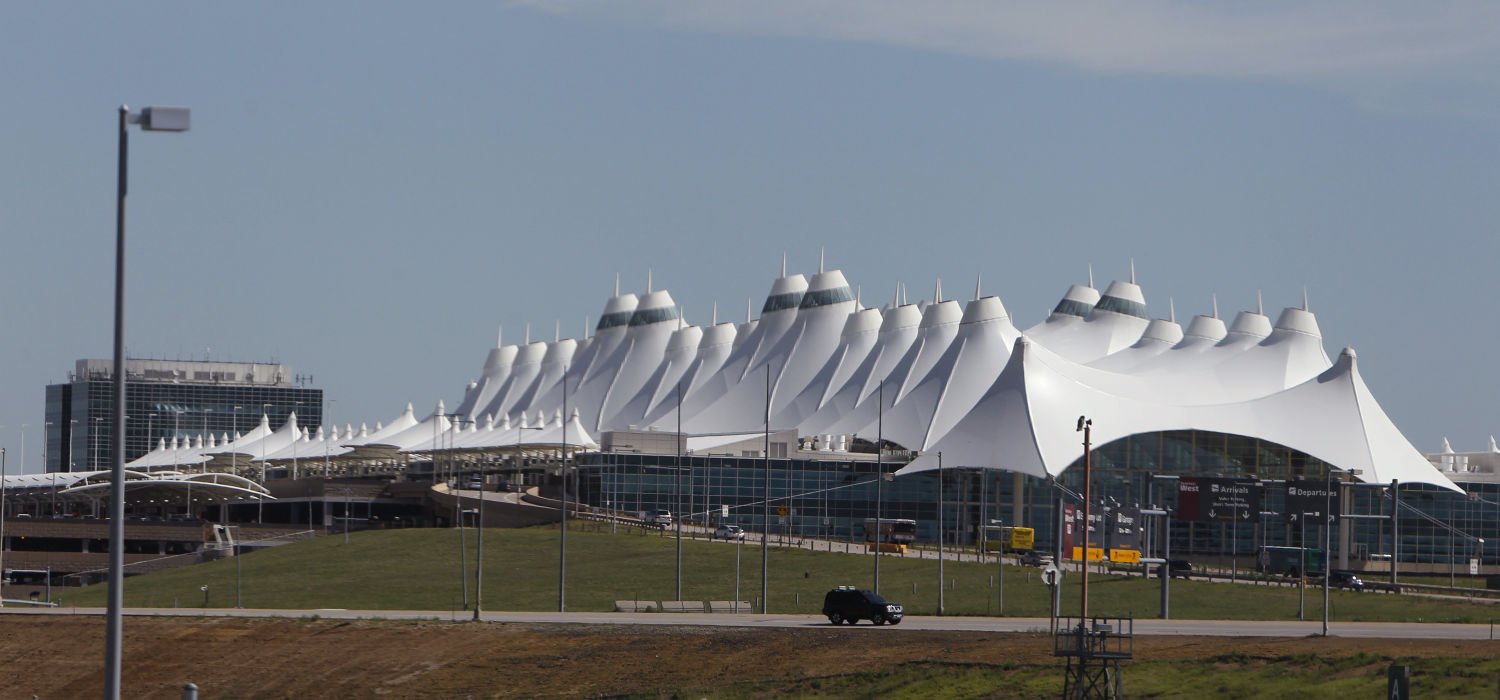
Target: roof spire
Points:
x,y
716,314
1260,306
937,294
978,278
820,259
681,316
903,293
585,326
617,284
1215,299
896,296
859,302
783,263
1304,298
1091,275
747,309
1132,270
500,337
557,331
1171,310
648,280
528,332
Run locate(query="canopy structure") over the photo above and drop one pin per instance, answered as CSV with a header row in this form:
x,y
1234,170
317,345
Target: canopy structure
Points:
x,y
936,375
1022,422
208,486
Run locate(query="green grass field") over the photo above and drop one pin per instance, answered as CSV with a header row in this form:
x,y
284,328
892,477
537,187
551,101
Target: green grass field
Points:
x,y
419,569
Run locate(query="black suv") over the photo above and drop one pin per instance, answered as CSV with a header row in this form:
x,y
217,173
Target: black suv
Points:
x,y
1346,579
1180,568
849,605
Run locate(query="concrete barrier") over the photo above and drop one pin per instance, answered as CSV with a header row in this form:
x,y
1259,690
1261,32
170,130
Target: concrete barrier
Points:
x,y
637,606
681,606
727,606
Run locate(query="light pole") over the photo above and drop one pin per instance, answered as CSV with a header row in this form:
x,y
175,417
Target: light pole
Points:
x,y
296,438
880,481
677,481
234,432
2,527
1328,533
765,507
479,563
940,532
1086,426
562,535
260,500
150,119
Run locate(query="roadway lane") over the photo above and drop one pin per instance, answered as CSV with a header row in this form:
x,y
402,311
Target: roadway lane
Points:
x,y
1206,628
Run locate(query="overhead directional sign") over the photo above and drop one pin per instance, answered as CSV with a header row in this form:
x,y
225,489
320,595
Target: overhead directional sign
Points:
x,y
1204,498
1125,530
1312,497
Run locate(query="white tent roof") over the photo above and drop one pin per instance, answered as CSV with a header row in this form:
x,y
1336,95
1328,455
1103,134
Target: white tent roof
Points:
x,y
1025,421
652,326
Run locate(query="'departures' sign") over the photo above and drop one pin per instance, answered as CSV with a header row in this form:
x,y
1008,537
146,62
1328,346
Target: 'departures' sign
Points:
x,y
1203,498
1314,498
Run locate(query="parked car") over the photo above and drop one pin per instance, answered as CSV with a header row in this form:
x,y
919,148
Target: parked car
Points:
x,y
504,487
729,532
848,605
1346,579
474,483
1180,568
1036,558
659,518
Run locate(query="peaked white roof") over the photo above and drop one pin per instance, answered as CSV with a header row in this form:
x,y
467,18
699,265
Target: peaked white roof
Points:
x,y
1025,422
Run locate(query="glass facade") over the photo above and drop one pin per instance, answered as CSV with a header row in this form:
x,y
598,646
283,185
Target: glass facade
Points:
x,y
618,318
1073,307
643,317
1124,306
826,297
777,302
831,498
80,415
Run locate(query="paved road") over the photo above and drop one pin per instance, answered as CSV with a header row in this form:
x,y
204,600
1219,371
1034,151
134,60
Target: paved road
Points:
x,y
1216,628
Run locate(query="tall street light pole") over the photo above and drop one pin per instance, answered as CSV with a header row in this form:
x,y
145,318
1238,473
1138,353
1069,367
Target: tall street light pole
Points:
x,y
150,119
1328,534
940,533
1086,426
880,481
677,480
765,507
562,539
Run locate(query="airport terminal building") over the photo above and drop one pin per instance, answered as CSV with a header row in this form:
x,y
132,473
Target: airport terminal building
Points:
x,y
788,421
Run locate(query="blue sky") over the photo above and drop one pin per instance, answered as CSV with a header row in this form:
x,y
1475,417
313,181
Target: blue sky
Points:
x,y
370,189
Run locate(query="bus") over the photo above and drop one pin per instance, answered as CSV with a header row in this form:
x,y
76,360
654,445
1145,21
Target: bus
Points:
x,y
1009,539
893,534
1290,561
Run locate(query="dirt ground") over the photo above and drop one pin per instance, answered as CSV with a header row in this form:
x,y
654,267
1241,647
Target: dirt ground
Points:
x,y
61,657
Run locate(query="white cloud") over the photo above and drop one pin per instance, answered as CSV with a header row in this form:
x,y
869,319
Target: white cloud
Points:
x,y
1354,40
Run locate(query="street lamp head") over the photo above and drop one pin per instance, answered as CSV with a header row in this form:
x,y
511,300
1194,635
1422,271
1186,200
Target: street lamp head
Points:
x,y
165,118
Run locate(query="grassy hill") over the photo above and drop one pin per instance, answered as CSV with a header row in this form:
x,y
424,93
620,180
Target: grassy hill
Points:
x,y
419,569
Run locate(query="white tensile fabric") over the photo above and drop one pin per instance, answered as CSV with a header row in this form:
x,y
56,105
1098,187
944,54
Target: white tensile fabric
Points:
x,y
1024,423
936,377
